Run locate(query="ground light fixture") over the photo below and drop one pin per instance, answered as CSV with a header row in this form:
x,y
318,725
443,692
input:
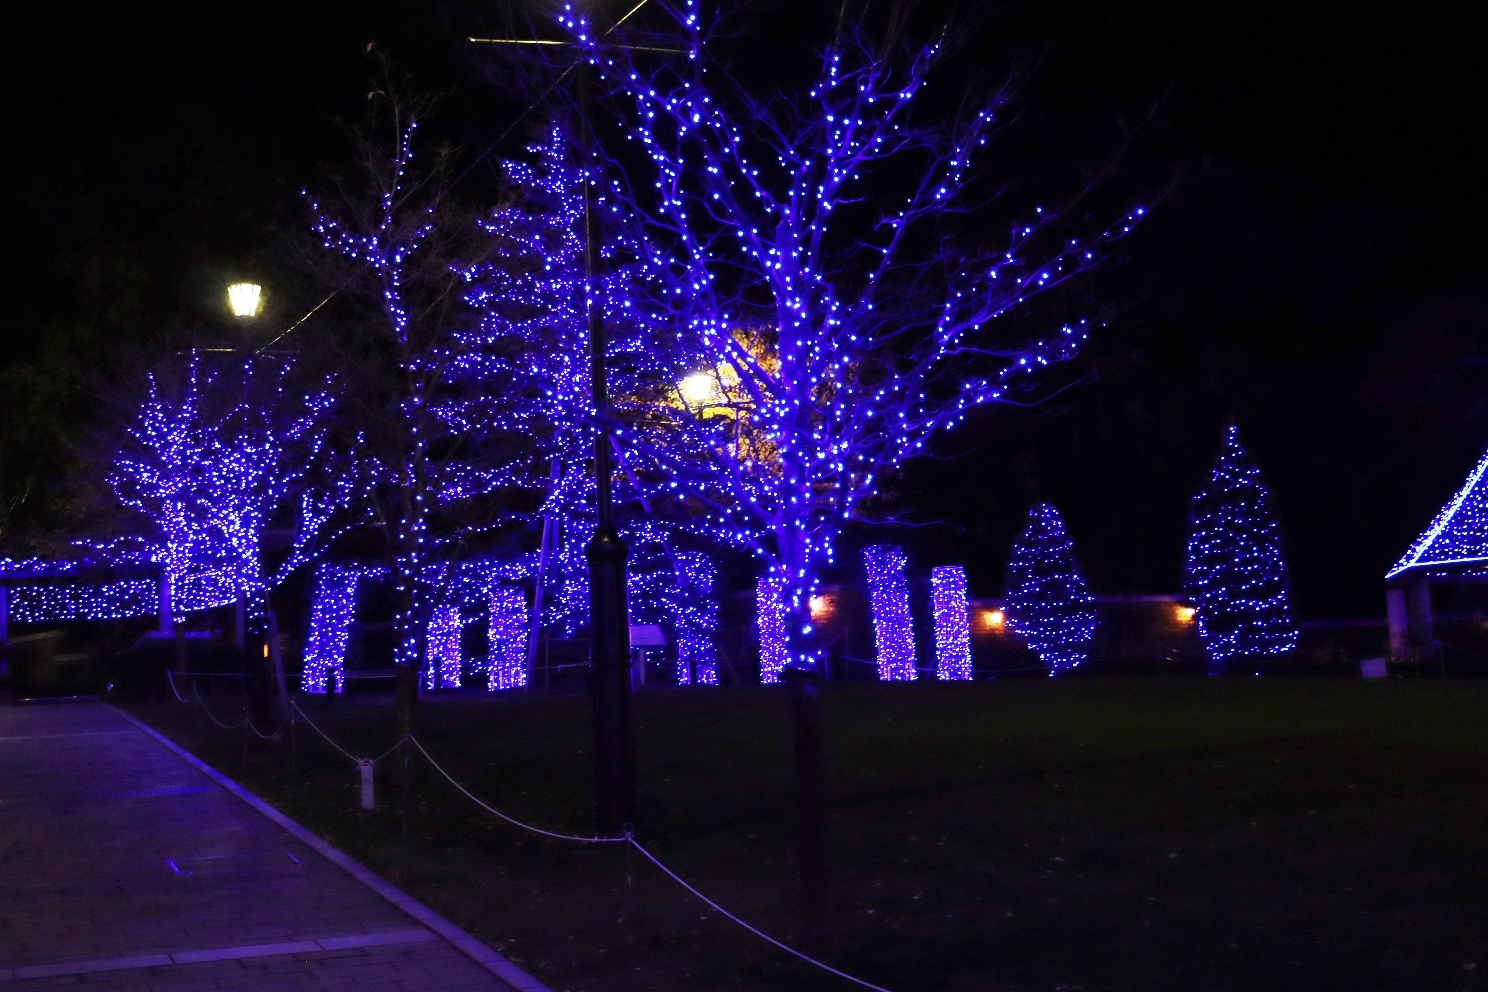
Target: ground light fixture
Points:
x,y
245,299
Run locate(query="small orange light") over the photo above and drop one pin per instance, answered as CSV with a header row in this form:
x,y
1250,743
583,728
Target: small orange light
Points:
x,y
1185,614
266,650
821,608
994,619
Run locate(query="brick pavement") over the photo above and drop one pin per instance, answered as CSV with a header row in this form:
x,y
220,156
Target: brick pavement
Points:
x,y
124,867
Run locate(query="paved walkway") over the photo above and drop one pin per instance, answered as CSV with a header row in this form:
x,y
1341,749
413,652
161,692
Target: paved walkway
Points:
x,y
124,867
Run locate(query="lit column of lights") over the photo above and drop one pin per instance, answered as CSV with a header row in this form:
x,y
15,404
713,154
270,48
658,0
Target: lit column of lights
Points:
x,y
770,613
693,612
888,594
1048,603
506,660
331,615
952,623
442,660
1236,575
696,651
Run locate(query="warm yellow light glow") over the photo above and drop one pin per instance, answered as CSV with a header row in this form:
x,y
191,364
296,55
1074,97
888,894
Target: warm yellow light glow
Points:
x,y
1185,614
698,389
244,298
821,608
994,618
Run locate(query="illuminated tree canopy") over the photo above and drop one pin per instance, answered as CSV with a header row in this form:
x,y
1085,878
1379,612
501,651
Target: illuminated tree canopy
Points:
x,y
804,264
214,462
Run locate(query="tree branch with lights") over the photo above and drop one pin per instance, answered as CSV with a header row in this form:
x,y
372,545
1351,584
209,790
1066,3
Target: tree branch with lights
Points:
x,y
827,261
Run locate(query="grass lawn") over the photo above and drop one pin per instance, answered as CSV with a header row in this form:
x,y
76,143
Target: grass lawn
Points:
x,y
1203,835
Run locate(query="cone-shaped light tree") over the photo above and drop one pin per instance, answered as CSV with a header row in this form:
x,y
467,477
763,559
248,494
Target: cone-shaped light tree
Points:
x,y
1048,603
1236,573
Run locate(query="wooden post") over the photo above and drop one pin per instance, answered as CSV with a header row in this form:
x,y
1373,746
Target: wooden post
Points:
x,y
1398,620
276,664
167,617
549,538
1418,613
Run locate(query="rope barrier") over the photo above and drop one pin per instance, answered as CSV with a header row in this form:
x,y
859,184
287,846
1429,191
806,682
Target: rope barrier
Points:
x,y
272,735
171,680
754,930
509,819
203,704
627,839
327,738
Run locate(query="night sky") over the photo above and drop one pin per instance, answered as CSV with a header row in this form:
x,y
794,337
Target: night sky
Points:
x,y
1317,270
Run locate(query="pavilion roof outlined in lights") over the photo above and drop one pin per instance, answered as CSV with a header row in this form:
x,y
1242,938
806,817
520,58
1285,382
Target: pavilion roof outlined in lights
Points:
x,y
1459,534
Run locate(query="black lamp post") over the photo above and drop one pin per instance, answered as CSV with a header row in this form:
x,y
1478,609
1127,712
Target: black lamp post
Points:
x,y
609,623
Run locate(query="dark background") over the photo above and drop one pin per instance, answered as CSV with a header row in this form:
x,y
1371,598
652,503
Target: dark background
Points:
x,y
1317,271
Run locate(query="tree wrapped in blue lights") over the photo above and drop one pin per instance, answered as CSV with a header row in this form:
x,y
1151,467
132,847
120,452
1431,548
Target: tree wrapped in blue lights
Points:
x,y
524,369
157,473
1236,575
1048,602
218,461
398,247
827,345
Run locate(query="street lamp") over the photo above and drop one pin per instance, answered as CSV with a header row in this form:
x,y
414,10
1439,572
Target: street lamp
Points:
x,y
244,299
697,389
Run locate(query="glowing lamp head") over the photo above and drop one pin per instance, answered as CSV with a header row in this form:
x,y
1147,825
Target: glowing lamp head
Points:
x,y
697,389
994,619
244,299
821,608
1185,614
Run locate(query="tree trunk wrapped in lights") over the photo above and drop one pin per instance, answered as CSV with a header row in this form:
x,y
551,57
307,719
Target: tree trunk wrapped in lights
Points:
x,y
952,623
888,594
1048,603
803,262
1236,576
